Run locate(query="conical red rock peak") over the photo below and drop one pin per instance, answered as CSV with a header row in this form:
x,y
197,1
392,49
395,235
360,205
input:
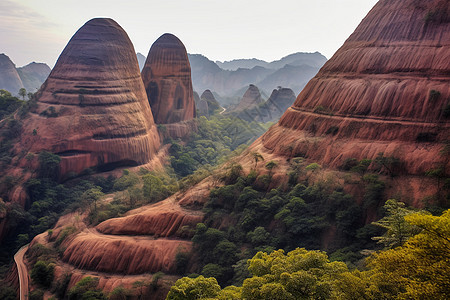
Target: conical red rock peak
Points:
x,y
167,80
93,109
251,98
385,90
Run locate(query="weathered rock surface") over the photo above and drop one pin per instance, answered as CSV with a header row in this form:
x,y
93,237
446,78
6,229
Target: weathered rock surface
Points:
x,y
33,75
211,103
123,254
9,78
164,219
167,80
93,109
202,107
251,98
385,90
271,110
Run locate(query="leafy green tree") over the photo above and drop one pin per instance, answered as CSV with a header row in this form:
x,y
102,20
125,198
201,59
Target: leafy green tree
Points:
x,y
91,196
154,189
390,163
259,236
299,274
22,93
49,165
135,195
256,157
397,229
420,268
42,273
194,289
128,179
374,190
213,270
270,166
86,288
119,293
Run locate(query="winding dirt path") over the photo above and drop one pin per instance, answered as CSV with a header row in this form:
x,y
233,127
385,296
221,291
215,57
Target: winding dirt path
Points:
x,y
22,272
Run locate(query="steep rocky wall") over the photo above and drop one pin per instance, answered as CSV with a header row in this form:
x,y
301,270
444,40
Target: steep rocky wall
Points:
x,y
385,90
93,110
167,79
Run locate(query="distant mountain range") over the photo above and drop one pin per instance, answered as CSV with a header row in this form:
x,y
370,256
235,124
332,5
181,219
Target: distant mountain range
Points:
x,y
141,60
296,59
227,80
231,79
29,77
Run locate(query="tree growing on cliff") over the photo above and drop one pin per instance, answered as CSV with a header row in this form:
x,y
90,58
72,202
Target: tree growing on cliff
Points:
x,y
397,229
42,273
91,196
22,93
256,157
48,165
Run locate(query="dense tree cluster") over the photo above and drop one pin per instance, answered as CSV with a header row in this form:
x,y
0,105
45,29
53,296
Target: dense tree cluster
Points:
x,y
215,138
417,269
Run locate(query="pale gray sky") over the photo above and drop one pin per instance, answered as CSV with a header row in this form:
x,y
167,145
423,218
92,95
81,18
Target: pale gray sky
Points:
x,y
33,30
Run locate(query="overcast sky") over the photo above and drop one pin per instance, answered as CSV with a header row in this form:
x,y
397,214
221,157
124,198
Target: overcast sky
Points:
x,y
33,30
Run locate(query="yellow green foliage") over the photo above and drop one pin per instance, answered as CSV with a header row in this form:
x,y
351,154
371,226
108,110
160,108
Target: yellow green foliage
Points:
x,y
418,269
194,288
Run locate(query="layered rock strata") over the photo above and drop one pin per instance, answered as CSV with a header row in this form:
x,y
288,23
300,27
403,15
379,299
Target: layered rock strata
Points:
x,y
93,110
385,90
167,79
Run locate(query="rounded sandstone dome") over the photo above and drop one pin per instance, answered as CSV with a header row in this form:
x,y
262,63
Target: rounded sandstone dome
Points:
x,y
93,109
167,80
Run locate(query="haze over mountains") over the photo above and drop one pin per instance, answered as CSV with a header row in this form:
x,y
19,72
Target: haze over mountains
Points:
x,y
232,78
30,76
229,79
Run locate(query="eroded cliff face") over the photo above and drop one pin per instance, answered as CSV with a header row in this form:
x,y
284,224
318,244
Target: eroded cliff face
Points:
x,y
167,79
385,90
146,240
93,110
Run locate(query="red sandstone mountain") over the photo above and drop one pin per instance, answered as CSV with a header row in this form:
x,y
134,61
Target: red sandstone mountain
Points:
x,y
167,80
385,90
93,110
